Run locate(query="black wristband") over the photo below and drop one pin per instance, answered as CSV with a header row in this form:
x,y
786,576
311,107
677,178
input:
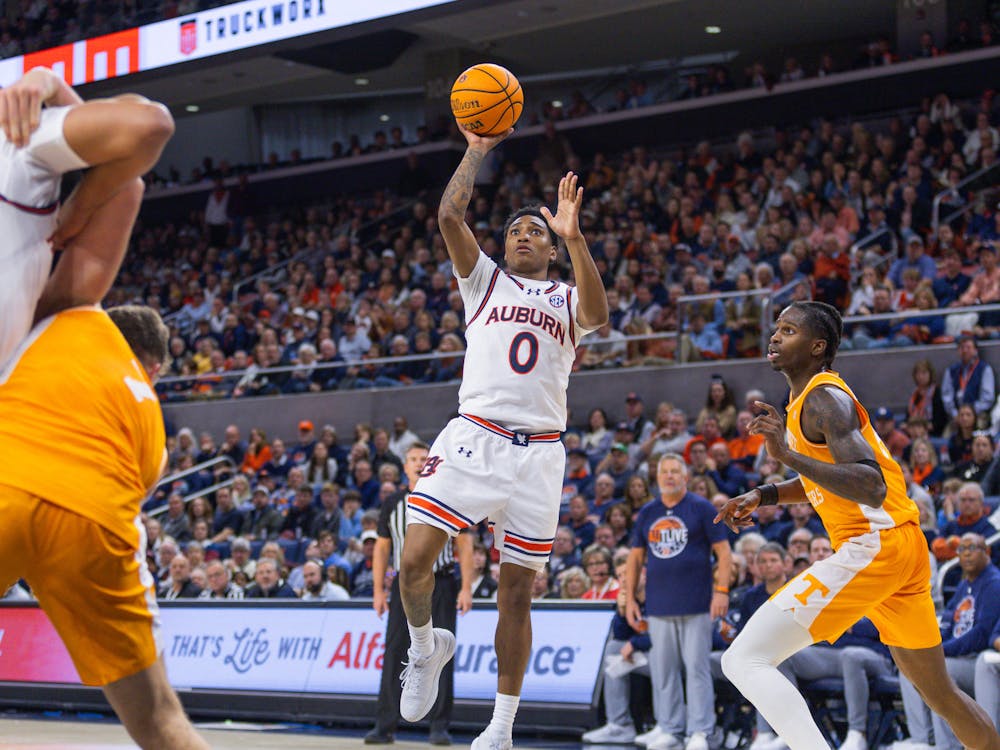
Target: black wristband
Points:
x,y
768,494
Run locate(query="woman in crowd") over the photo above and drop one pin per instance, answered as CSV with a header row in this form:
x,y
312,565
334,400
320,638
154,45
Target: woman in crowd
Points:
x,y
925,399
258,451
484,586
960,442
573,583
924,465
596,562
200,508
637,494
321,466
620,521
702,485
597,440
720,404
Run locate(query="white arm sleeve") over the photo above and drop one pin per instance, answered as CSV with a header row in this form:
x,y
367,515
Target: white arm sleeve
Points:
x,y
48,147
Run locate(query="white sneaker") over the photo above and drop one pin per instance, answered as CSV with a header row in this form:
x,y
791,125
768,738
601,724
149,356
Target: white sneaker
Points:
x,y
421,676
855,740
645,738
697,741
910,745
610,734
776,744
665,741
763,740
489,741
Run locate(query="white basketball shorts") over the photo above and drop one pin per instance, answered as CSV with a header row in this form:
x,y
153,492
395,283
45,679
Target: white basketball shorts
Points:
x,y
477,469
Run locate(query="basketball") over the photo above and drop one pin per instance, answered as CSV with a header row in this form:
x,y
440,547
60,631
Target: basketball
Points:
x,y
486,99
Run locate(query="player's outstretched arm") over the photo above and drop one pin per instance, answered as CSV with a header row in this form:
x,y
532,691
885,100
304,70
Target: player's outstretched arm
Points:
x,y
86,271
122,139
737,513
593,307
461,242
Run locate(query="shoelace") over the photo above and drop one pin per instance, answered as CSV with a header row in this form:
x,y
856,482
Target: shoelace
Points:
x,y
413,667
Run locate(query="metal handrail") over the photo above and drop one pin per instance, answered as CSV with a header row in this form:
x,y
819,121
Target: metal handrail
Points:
x,y
920,313
956,191
188,472
235,374
938,586
764,294
161,509
868,240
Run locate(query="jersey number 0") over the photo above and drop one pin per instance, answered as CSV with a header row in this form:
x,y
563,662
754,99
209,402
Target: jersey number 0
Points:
x,y
523,367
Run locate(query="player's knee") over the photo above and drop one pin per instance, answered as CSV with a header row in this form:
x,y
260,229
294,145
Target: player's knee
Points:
x,y
732,664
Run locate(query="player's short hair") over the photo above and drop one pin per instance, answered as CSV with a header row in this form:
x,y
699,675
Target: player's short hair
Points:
x,y
532,210
825,323
144,331
417,445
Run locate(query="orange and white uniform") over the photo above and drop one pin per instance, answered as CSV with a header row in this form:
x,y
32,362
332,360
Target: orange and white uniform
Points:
x,y
880,568
82,440
30,178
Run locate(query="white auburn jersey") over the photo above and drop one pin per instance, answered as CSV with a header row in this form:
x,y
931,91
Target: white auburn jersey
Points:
x,y
521,338
30,178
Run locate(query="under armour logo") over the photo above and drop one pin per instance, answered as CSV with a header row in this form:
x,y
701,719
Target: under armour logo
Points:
x,y
520,438
536,292
463,451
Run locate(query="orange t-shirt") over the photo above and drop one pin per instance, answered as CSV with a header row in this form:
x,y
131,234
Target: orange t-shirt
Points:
x,y
80,423
841,517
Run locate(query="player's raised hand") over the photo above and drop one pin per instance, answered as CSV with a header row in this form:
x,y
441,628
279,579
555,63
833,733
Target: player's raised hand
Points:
x,y
737,513
484,142
566,222
771,425
21,109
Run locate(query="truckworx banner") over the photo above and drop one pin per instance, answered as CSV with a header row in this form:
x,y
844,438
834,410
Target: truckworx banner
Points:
x,y
210,32
305,649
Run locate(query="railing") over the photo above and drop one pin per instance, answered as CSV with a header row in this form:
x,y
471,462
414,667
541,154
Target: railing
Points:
x,y
867,241
213,378
937,311
684,301
160,510
956,191
937,590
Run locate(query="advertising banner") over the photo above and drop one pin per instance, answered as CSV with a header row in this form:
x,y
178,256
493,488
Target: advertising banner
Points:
x,y
314,650
227,28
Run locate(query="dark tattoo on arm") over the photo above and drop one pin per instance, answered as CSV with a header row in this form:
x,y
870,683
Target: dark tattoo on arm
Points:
x,y
457,195
829,416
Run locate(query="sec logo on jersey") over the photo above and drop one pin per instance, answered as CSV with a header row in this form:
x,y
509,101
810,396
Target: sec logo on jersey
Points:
x,y
557,300
667,537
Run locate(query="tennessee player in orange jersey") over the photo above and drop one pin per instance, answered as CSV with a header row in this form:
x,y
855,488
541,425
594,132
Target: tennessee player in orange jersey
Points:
x,y
83,440
880,568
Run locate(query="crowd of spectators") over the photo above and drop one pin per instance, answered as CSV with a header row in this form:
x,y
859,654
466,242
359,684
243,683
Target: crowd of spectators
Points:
x,y
367,278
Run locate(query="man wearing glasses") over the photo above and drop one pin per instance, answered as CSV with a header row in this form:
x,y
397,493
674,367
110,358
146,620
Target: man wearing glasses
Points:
x,y
966,624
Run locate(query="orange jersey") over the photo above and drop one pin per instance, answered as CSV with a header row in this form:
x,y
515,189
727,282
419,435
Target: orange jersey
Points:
x,y
844,518
80,424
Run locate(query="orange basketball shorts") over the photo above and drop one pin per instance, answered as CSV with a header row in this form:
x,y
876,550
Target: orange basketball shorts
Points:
x,y
94,587
883,575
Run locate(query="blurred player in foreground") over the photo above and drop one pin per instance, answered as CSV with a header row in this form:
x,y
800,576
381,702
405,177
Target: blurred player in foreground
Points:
x,y
880,568
83,441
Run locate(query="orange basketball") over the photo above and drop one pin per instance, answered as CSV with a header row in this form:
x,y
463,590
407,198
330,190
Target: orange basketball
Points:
x,y
486,99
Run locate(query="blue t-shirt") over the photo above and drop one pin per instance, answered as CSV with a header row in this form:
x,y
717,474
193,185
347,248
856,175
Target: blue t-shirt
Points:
x,y
678,543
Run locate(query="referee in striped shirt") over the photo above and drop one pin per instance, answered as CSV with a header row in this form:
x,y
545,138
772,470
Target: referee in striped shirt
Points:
x,y
448,599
